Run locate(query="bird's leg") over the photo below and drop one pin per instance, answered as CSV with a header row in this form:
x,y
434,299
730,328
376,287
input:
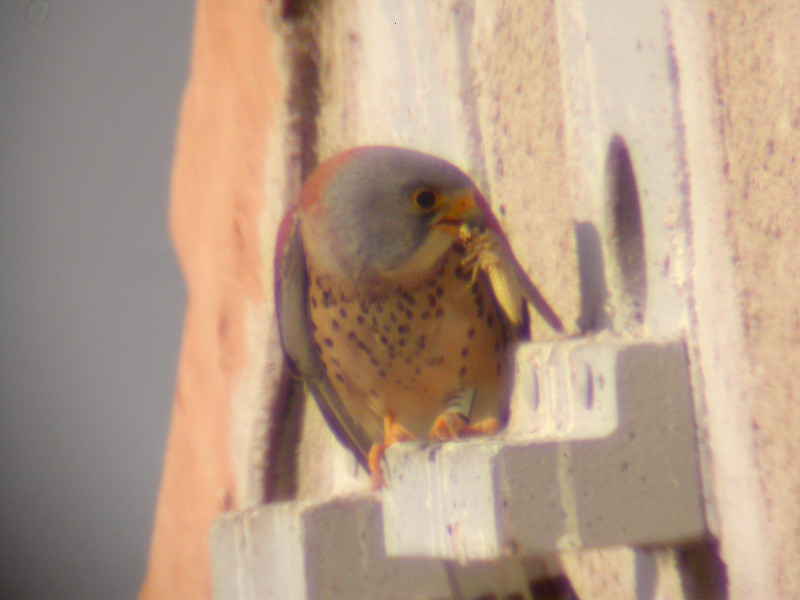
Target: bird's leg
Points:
x,y
392,432
454,423
451,425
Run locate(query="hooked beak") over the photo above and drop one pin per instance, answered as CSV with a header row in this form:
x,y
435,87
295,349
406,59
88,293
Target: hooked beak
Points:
x,y
462,209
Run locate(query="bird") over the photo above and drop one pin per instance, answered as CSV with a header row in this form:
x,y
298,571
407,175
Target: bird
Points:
x,y
400,302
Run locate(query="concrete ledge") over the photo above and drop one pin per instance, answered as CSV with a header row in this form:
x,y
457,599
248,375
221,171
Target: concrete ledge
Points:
x,y
628,477
635,482
333,550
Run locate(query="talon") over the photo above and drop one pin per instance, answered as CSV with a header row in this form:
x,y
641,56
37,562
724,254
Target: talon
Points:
x,y
392,432
448,426
374,460
451,425
488,426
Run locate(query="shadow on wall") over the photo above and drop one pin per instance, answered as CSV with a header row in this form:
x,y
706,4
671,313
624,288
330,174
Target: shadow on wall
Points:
x,y
626,242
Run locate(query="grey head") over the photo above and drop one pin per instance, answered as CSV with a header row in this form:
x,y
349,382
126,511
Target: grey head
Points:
x,y
378,211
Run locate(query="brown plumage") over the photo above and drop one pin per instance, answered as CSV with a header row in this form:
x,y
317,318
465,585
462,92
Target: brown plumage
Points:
x,y
400,301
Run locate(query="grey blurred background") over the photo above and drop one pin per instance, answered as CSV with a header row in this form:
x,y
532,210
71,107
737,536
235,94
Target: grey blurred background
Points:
x,y
91,299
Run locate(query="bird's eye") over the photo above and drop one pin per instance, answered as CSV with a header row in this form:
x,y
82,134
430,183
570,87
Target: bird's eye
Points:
x,y
425,200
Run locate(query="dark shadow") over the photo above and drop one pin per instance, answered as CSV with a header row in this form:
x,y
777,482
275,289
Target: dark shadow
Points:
x,y
293,10
284,440
646,574
705,574
303,93
553,588
591,273
626,220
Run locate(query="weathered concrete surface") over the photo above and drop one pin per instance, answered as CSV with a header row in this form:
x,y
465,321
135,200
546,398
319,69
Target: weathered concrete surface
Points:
x,y
217,193
740,115
625,472
757,49
333,550
521,138
482,85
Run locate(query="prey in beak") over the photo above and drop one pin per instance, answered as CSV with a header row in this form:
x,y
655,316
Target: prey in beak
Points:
x,y
488,251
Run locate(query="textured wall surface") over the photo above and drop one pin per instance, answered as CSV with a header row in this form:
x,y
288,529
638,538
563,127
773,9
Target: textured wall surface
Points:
x,y
276,88
757,48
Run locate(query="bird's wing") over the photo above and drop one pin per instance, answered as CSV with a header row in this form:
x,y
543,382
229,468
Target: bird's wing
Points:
x,y
291,299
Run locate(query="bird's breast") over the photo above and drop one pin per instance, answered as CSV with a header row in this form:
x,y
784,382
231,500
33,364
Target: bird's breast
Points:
x,y
408,348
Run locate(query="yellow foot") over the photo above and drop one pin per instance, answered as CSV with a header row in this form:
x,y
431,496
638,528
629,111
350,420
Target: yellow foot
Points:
x,y
451,425
392,432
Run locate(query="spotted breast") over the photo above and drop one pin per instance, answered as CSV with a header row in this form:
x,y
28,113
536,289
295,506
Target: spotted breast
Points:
x,y
409,350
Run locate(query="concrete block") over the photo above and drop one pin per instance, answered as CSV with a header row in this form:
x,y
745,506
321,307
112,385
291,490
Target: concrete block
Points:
x,y
333,550
632,480
314,550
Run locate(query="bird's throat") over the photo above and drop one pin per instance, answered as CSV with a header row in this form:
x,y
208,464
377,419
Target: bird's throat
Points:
x,y
423,259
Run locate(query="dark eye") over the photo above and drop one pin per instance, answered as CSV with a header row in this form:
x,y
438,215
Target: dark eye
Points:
x,y
425,199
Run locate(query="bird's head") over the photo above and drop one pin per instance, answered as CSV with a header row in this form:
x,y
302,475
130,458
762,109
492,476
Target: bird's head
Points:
x,y
385,211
